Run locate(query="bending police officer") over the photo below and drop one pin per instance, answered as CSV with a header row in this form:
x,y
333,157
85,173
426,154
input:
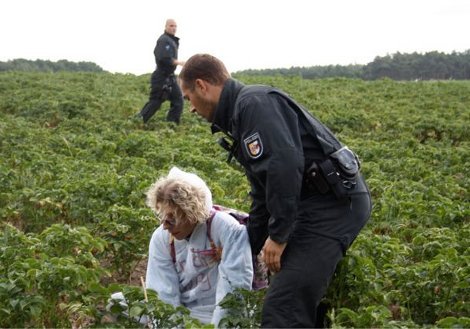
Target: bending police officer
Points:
x,y
302,228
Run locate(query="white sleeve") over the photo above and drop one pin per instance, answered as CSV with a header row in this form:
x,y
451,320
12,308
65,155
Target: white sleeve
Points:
x,y
236,266
161,270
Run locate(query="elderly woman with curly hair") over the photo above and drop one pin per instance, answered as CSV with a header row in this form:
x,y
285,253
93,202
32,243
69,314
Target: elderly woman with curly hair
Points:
x,y
197,255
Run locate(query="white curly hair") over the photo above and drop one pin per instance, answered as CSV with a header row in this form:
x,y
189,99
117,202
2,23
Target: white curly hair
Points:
x,y
185,193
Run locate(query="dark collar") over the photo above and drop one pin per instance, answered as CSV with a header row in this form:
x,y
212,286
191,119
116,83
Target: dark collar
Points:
x,y
175,38
223,113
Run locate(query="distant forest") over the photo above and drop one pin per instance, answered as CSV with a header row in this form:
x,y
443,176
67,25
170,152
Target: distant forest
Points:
x,y
428,66
40,65
415,66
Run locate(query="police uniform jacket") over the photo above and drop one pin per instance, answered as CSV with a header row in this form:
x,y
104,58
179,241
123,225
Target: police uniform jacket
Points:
x,y
166,50
272,143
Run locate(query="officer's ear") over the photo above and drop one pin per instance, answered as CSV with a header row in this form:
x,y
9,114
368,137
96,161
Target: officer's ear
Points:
x,y
201,85
207,90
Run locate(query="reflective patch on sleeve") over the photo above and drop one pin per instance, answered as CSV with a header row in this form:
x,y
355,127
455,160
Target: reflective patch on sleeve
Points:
x,y
253,145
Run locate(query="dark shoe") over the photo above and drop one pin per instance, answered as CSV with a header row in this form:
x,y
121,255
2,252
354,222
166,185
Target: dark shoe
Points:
x,y
173,122
136,119
172,125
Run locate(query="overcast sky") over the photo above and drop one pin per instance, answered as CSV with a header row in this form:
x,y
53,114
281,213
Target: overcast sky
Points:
x,y
120,35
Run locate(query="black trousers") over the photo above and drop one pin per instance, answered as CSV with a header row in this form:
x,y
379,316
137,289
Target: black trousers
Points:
x,y
158,96
324,229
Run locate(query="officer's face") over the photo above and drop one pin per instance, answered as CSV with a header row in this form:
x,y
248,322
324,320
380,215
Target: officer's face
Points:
x,y
170,27
201,100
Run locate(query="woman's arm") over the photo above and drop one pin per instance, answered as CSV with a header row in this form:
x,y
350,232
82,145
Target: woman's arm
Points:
x,y
161,270
236,266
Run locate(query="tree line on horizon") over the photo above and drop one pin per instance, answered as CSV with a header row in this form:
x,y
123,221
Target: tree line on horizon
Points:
x,y
40,65
399,66
432,65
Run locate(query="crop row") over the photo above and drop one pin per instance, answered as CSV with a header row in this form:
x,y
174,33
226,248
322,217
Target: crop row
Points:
x,y
75,166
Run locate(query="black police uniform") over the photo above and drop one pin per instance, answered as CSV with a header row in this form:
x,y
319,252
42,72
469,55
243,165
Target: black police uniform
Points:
x,y
274,146
163,81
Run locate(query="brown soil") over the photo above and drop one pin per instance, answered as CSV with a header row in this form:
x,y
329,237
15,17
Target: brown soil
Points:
x,y
139,271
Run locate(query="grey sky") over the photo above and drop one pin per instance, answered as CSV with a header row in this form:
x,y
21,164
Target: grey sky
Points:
x,y
119,35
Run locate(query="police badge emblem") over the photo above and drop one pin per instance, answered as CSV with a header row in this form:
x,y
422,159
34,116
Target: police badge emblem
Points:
x,y
253,145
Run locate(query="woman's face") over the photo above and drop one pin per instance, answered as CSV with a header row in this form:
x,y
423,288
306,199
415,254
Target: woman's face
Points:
x,y
176,223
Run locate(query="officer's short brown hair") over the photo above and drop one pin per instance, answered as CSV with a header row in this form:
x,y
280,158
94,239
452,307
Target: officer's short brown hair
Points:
x,y
205,67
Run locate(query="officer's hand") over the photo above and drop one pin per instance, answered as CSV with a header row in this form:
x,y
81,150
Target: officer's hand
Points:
x,y
272,252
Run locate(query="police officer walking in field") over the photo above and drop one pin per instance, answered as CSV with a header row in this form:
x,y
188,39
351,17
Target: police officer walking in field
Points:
x,y
309,200
163,81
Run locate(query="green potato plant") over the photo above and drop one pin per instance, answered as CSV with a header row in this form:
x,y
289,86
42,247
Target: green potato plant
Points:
x,y
75,166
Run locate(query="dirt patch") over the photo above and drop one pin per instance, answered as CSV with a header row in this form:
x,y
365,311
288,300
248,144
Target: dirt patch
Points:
x,y
133,279
139,271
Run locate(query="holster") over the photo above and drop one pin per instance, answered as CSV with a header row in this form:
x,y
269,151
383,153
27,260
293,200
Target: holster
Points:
x,y
324,176
315,180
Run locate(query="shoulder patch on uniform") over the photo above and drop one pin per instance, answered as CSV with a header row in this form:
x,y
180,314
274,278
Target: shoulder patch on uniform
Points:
x,y
253,145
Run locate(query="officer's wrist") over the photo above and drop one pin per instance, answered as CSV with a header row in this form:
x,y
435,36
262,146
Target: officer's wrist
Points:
x,y
277,240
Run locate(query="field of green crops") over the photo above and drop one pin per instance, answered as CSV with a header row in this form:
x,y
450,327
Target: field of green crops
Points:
x,y
74,167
